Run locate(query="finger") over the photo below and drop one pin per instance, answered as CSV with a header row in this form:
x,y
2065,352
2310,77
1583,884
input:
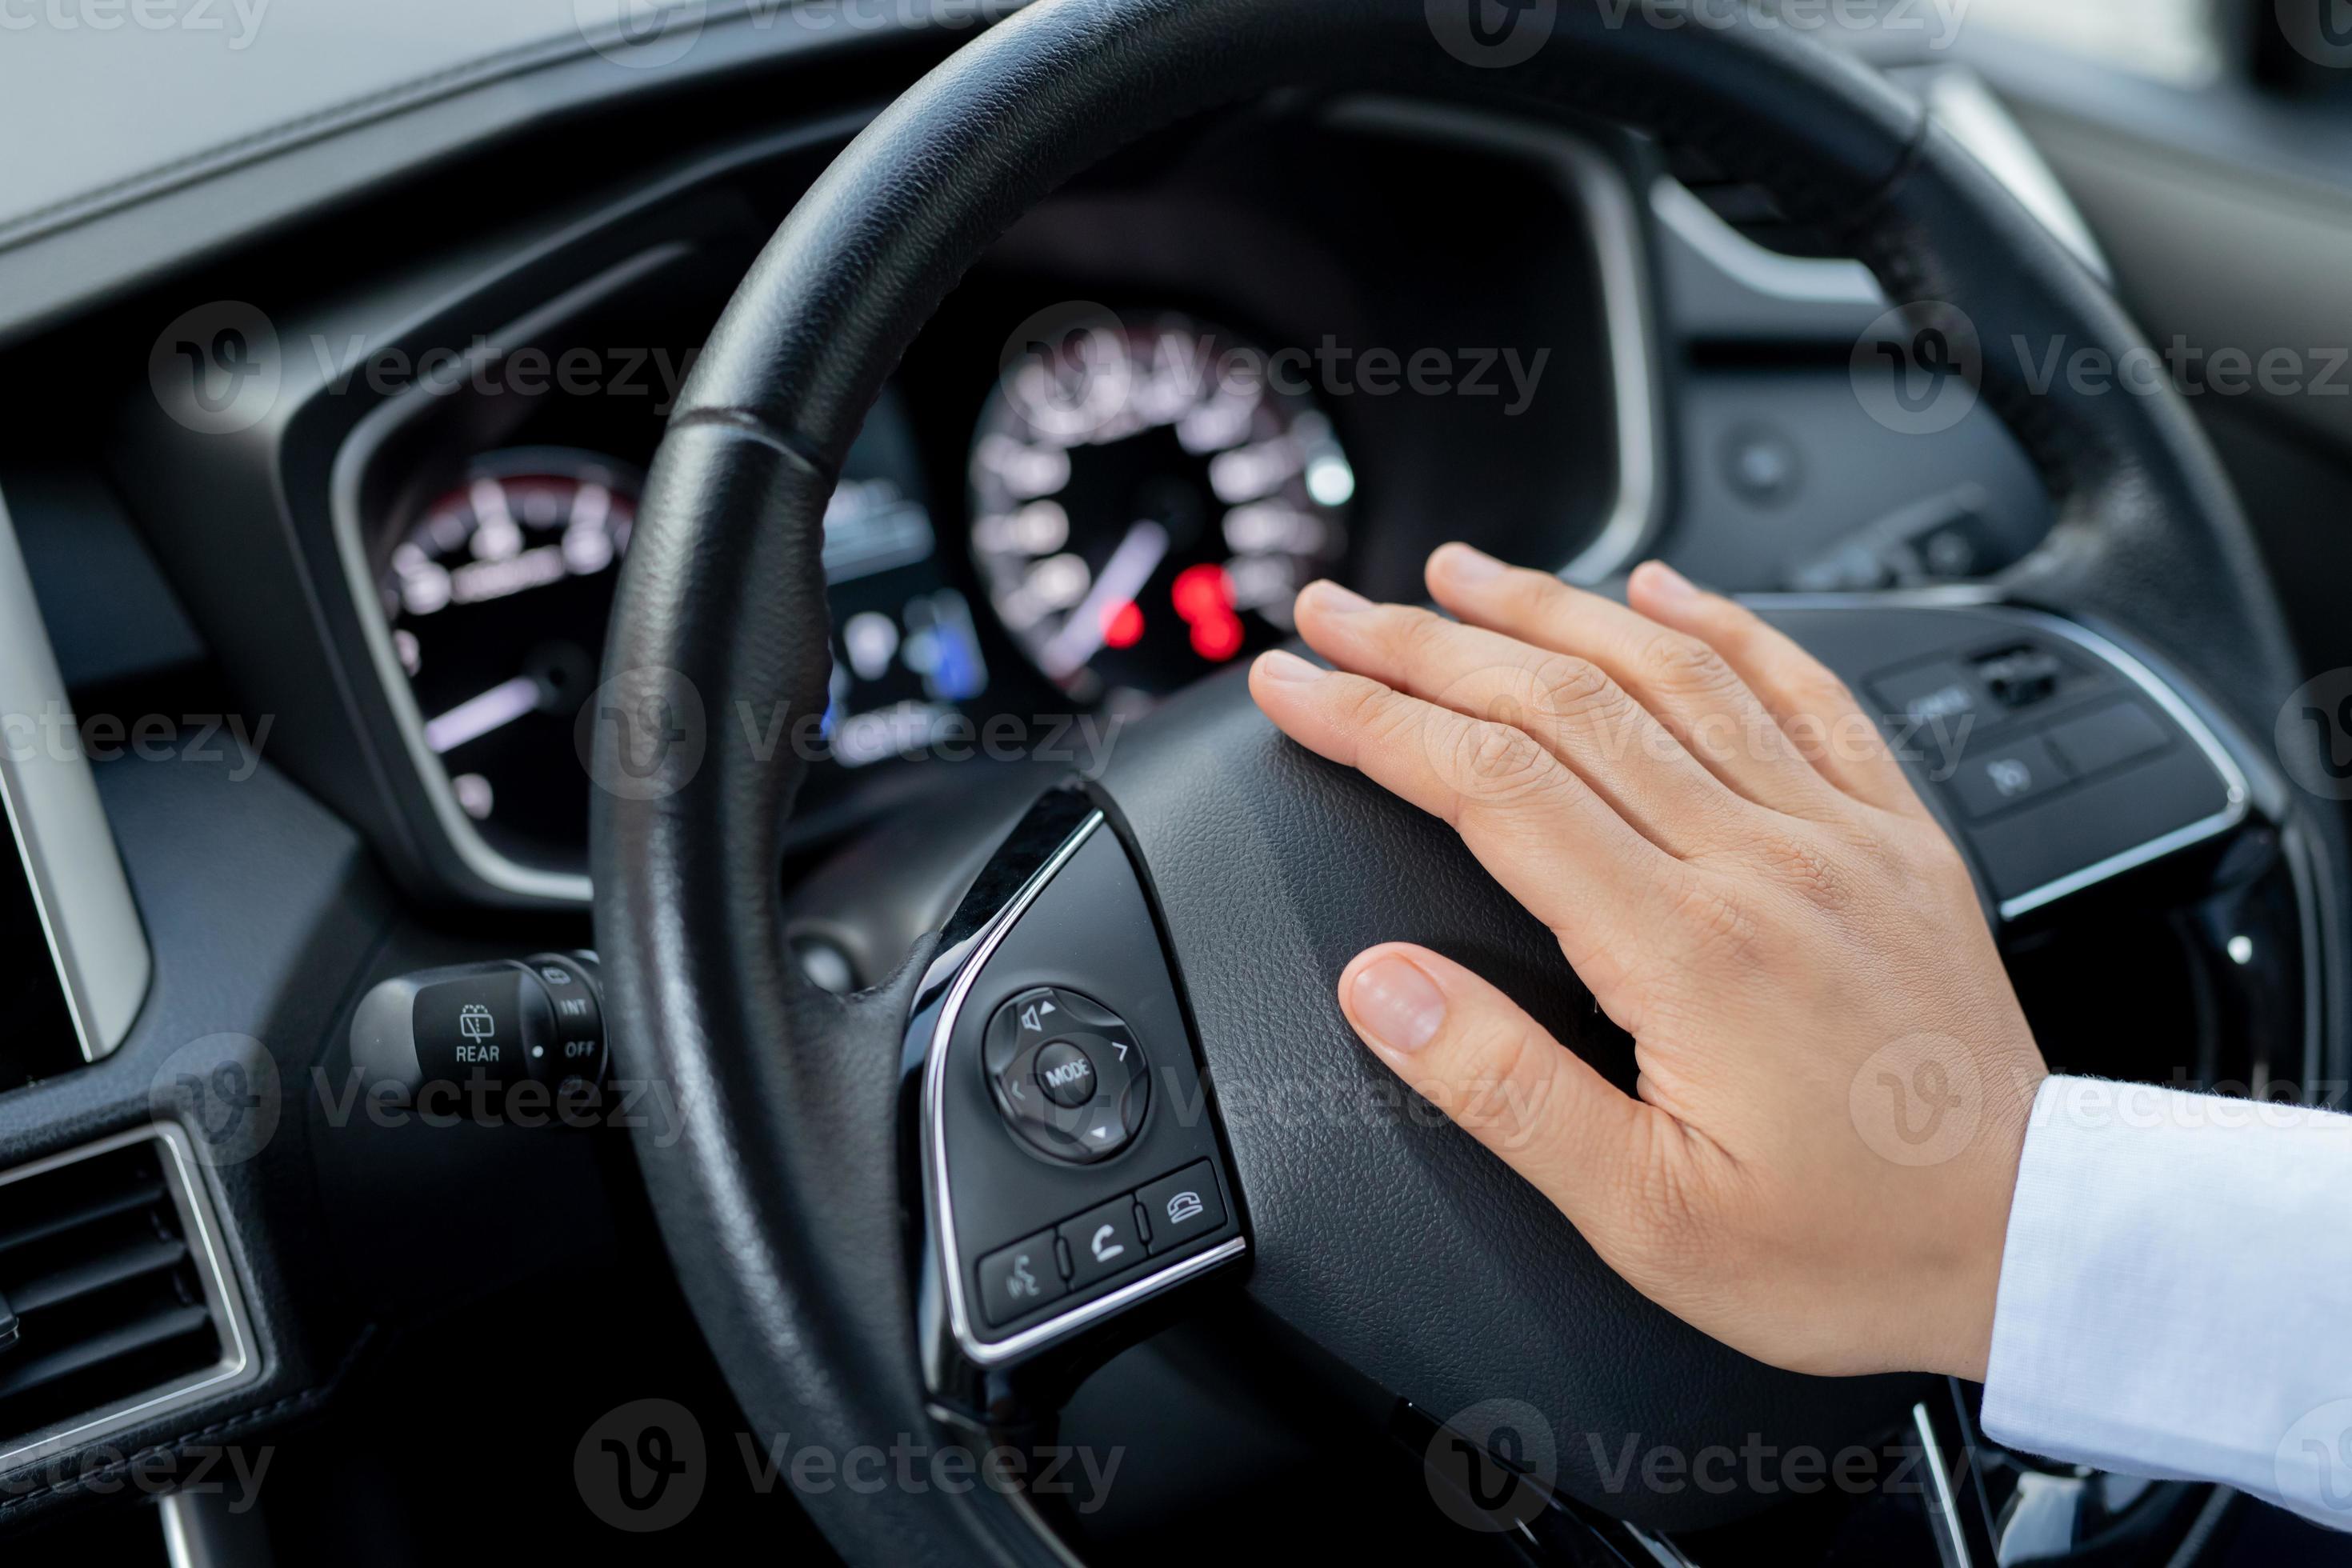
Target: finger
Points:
x,y
1541,831
1570,704
1694,691
1472,1052
1814,706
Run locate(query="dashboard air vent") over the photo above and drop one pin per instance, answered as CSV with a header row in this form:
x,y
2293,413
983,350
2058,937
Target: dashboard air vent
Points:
x,y
112,1301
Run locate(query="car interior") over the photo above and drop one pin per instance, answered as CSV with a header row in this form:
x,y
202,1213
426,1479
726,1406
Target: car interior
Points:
x,y
650,915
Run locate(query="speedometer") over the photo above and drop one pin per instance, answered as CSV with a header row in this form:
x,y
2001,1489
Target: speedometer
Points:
x,y
1147,497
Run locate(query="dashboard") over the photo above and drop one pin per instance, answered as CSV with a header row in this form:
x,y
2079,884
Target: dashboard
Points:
x,y
1102,472
1170,396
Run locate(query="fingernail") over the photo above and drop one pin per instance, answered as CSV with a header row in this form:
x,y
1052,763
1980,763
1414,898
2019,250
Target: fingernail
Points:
x,y
1466,564
1667,583
1329,596
1287,668
1397,1004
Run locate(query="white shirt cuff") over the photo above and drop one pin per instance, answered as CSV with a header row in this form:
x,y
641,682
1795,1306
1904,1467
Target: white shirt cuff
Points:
x,y
2176,1293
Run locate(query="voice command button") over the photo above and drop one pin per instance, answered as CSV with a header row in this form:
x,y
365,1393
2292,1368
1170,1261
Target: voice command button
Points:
x,y
1018,1279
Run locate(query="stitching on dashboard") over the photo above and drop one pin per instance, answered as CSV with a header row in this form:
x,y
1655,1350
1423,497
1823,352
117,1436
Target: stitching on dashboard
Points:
x,y
293,1404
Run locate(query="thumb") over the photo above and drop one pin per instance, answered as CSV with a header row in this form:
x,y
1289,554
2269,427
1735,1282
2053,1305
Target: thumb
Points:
x,y
1475,1055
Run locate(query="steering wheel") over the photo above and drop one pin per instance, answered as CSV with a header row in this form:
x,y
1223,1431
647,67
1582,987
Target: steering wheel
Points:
x,y
857,1176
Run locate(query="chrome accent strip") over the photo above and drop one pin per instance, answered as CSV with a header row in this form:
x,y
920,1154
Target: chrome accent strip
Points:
x,y
2309,915
994,1352
1664,1552
180,1532
1941,596
1614,223
1944,1515
2233,778
203,1529
1793,280
1027,1340
67,847
1970,112
1985,596
237,1362
2098,871
1626,304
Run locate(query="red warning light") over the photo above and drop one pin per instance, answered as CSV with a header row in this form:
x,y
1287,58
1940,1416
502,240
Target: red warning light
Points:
x,y
1203,596
1122,623
1218,639
1202,592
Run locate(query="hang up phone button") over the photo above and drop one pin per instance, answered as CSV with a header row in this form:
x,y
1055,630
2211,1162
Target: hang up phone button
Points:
x,y
1181,1207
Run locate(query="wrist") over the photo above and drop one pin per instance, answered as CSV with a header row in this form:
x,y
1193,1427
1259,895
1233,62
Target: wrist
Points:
x,y
1961,1325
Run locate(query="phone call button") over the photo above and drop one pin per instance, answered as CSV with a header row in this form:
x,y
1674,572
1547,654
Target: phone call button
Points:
x,y
1102,1242
1181,1207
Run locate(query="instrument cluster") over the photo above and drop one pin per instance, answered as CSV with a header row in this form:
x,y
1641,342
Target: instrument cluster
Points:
x,y
1140,500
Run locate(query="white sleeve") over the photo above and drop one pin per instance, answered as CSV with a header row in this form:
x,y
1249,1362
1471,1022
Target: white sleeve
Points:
x,y
2176,1293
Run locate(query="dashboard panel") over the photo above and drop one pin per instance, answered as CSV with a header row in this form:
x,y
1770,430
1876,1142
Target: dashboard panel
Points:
x,y
1124,439
1101,473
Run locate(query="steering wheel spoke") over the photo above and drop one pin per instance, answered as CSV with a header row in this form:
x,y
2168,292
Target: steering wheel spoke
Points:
x,y
2058,760
1073,1172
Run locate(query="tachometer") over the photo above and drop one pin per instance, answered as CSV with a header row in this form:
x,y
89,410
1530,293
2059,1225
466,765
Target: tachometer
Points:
x,y
498,594
497,597
1147,497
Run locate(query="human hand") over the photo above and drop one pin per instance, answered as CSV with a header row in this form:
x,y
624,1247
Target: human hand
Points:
x,y
1834,1073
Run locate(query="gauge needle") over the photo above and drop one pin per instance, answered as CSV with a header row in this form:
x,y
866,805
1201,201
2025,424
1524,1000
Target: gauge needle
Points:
x,y
1130,566
477,716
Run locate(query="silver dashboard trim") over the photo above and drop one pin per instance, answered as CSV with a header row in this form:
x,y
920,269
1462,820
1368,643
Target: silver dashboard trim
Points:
x,y
1968,109
994,1352
1612,221
1944,1516
1794,280
2239,796
49,800
238,1360
181,1544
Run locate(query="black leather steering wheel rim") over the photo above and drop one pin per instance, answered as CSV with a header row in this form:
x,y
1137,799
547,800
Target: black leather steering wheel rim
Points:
x,y
791,1249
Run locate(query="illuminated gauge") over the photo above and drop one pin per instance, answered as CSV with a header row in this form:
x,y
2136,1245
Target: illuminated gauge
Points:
x,y
1147,497
497,597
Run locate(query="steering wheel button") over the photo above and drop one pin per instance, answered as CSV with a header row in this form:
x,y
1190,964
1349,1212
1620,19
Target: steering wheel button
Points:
x,y
2021,677
1181,1207
1936,696
1998,778
1103,1242
2119,734
1018,1279
1066,1074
